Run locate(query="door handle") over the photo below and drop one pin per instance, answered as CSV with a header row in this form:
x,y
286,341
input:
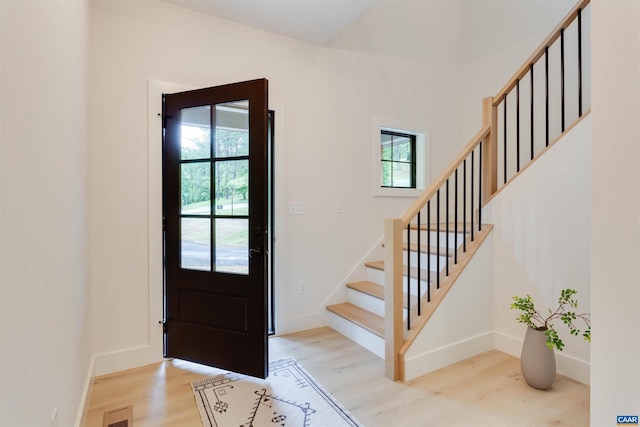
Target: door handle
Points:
x,y
253,252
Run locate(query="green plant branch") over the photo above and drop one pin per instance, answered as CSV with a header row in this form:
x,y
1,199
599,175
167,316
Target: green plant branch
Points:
x,y
532,317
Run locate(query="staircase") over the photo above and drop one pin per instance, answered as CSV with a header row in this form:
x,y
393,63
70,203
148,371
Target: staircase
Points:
x,y
425,252
361,317
387,310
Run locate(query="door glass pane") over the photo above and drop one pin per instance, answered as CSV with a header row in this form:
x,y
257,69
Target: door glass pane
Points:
x,y
196,243
195,133
196,188
232,129
232,187
232,245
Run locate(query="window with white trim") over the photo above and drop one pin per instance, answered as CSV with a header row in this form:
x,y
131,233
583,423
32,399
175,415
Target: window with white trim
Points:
x,y
400,158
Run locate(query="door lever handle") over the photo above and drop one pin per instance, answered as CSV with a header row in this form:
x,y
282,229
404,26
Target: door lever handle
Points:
x,y
253,252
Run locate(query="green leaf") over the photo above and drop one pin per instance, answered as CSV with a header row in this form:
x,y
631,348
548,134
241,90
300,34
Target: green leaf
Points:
x,y
531,317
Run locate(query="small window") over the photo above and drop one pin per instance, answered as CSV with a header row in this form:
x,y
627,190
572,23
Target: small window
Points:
x,y
398,157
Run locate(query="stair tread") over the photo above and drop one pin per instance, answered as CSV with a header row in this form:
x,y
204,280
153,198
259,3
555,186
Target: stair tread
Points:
x,y
361,317
375,324
379,265
377,291
369,288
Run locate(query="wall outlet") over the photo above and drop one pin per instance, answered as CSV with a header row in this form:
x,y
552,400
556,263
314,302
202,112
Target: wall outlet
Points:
x,y
296,208
54,418
338,206
302,287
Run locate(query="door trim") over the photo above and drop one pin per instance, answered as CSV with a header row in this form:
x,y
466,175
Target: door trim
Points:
x,y
156,292
151,350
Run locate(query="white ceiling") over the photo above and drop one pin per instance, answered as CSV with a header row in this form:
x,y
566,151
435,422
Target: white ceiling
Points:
x,y
311,21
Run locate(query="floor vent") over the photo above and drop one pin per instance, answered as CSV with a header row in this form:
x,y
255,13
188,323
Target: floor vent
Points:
x,y
121,417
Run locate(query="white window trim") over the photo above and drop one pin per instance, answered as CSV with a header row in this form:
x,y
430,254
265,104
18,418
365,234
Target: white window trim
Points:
x,y
423,151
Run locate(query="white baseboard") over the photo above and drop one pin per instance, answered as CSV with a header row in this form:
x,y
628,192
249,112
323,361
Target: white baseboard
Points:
x,y
303,323
85,399
107,363
319,318
568,366
573,368
444,356
125,359
507,344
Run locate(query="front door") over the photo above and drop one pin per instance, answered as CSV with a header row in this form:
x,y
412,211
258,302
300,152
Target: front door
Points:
x,y
215,187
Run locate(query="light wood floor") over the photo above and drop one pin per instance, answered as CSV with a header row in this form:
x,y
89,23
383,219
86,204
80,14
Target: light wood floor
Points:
x,y
485,390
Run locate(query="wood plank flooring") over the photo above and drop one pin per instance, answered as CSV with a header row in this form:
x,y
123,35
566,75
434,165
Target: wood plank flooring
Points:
x,y
485,390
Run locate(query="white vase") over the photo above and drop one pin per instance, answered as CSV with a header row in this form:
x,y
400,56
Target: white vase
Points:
x,y
537,361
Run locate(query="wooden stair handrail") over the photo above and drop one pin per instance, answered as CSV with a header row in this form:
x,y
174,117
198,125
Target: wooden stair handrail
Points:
x,y
442,179
539,52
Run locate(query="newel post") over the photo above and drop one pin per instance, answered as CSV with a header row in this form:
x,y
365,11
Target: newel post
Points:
x,y
393,333
489,149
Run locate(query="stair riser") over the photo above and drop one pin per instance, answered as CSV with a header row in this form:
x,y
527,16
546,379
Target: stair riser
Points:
x,y
423,260
414,287
368,302
377,276
366,339
434,242
374,275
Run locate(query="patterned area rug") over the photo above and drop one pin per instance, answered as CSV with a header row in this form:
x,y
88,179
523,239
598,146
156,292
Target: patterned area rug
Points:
x,y
289,397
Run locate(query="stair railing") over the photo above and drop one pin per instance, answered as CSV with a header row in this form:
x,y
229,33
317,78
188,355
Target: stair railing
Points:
x,y
470,181
462,187
525,117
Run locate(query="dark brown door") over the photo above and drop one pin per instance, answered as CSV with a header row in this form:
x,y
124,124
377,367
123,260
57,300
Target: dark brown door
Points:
x,y
215,211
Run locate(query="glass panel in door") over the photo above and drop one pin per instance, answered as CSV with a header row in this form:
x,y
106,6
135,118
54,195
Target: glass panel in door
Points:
x,y
195,243
214,234
231,176
195,188
232,129
232,245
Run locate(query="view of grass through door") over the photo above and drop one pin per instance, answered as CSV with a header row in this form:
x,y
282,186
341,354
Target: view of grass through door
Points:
x,y
231,189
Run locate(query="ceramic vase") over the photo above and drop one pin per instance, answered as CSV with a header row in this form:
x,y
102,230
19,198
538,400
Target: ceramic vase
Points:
x,y
537,361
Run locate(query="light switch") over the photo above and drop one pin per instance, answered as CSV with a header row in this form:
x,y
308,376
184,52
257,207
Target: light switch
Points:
x,y
296,208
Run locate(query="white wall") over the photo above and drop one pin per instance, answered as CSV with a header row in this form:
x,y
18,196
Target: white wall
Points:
x,y
408,70
542,241
45,319
45,313
461,326
428,34
615,254
486,43
499,35
540,244
331,97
